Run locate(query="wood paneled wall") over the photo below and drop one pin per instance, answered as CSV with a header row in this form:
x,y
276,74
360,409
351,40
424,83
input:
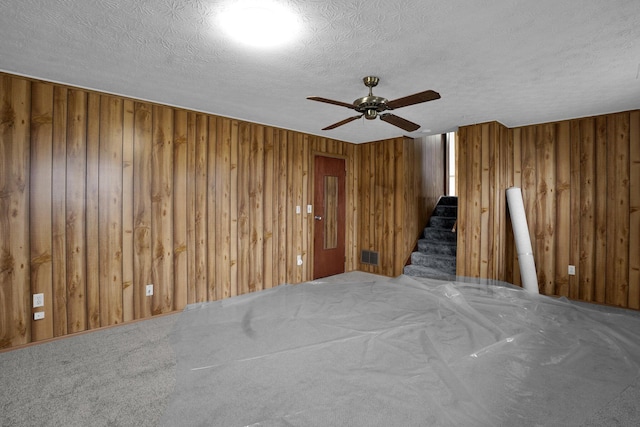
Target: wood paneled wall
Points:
x,y
101,195
482,179
400,182
581,187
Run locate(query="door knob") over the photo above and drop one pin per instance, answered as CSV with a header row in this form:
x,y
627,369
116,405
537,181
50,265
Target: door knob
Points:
x,y
317,218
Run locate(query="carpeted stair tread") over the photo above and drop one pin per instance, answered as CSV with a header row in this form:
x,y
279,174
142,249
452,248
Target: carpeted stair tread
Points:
x,y
440,234
446,222
445,210
448,201
437,248
420,271
444,263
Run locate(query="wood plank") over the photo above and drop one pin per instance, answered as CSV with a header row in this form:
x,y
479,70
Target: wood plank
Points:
x,y
212,183
514,277
92,201
256,174
588,200
621,217
404,224
233,209
128,276
474,223
600,179
377,215
243,172
368,202
404,189
575,206
280,153
40,205
364,196
268,202
201,210
611,212
110,214
634,209
485,187
298,150
563,212
192,238
58,214
180,211
504,157
76,214
14,208
142,256
529,187
353,166
496,245
162,210
223,206
290,210
387,245
546,207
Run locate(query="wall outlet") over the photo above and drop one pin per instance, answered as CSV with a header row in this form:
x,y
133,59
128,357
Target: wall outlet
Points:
x,y
572,270
38,315
38,300
149,290
299,260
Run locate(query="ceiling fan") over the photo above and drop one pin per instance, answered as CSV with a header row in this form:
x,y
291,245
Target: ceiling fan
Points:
x,y
372,106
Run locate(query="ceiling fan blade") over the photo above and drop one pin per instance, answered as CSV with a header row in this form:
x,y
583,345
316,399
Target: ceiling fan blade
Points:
x,y
416,98
343,122
331,101
399,121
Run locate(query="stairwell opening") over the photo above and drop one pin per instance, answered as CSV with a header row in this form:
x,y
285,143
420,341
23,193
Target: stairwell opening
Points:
x,y
436,250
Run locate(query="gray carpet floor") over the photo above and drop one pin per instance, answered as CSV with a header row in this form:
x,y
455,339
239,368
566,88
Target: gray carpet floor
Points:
x,y
121,376
201,367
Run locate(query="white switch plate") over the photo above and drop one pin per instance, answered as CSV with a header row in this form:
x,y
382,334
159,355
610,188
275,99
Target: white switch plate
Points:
x,y
149,290
38,300
38,315
299,260
298,210
309,208
572,270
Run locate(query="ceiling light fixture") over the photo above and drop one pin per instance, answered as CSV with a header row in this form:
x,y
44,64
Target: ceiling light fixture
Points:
x,y
259,23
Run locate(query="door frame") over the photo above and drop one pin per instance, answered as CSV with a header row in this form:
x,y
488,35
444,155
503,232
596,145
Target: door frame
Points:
x,y
348,202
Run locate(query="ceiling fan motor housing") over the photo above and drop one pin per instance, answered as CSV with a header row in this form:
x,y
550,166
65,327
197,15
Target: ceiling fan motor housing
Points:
x,y
370,106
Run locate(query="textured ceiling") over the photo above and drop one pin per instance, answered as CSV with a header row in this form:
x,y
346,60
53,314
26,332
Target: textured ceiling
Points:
x,y
517,62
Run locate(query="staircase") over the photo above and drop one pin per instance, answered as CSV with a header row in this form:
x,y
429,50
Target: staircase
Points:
x,y
436,256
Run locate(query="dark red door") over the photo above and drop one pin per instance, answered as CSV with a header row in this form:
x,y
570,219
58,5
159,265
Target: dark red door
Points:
x,y
329,213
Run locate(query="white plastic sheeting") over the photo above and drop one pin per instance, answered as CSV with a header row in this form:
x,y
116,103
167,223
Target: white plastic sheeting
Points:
x,y
523,240
401,352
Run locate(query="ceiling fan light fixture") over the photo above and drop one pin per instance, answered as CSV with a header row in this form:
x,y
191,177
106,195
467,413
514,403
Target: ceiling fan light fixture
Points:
x,y
370,114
